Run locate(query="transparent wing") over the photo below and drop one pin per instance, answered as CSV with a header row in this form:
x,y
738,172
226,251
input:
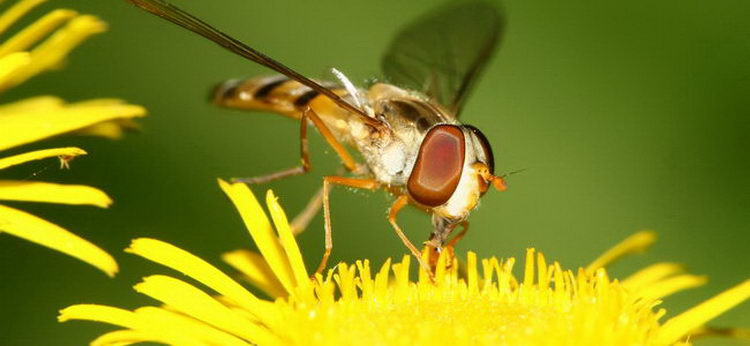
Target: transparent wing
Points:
x,y
443,53
177,16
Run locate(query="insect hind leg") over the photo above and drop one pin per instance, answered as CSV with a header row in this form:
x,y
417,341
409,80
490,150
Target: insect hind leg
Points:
x,y
305,167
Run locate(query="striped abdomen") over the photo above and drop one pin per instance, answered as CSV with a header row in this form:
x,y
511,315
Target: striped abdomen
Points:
x,y
277,94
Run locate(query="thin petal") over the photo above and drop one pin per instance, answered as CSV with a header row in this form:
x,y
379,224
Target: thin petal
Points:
x,y
10,64
651,274
633,244
52,51
25,127
32,104
681,325
256,270
190,326
29,191
261,231
66,152
528,271
99,313
198,304
114,129
122,337
178,259
17,11
124,318
36,31
34,229
666,287
288,242
471,272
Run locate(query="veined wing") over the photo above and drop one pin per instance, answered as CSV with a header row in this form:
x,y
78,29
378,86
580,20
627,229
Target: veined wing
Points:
x,y
177,16
443,53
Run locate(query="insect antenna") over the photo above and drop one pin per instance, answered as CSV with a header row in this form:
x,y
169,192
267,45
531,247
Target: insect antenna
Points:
x,y
506,175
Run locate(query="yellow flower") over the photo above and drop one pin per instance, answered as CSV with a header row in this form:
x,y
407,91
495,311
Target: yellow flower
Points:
x,y
39,47
355,305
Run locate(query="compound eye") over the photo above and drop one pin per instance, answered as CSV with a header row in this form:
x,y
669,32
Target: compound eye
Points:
x,y
438,167
485,147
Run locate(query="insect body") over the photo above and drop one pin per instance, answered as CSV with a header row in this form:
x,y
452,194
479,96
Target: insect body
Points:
x,y
407,132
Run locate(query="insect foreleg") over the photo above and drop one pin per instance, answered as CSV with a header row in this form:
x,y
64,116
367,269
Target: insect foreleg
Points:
x,y
465,225
400,202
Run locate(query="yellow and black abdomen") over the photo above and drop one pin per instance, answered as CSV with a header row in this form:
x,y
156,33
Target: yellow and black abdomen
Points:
x,y
277,94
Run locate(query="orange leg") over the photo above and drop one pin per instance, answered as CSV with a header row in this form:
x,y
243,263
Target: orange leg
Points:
x,y
346,159
297,170
306,165
399,204
369,184
465,226
300,222
435,249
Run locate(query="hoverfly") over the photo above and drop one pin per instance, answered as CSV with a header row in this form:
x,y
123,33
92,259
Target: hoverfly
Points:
x,y
407,131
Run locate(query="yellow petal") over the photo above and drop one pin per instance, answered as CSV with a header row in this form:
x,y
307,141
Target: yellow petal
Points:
x,y
54,49
16,11
114,129
10,64
528,276
178,259
100,313
188,325
40,154
261,231
632,244
34,229
732,333
287,241
36,31
37,103
256,270
25,127
122,337
124,318
681,325
651,274
666,287
196,303
29,191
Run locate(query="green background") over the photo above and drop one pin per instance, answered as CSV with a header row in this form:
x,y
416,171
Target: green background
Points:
x,y
627,116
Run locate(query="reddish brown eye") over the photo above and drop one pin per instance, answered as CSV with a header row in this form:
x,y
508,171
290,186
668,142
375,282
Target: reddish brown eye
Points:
x,y
439,165
485,147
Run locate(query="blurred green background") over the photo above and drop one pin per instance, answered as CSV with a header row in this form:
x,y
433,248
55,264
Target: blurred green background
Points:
x,y
627,116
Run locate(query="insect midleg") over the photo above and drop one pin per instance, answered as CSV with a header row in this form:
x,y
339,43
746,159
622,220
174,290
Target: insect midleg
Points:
x,y
399,204
369,184
302,220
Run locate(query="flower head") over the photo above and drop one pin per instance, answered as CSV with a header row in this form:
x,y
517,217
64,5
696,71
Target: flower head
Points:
x,y
360,304
39,47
